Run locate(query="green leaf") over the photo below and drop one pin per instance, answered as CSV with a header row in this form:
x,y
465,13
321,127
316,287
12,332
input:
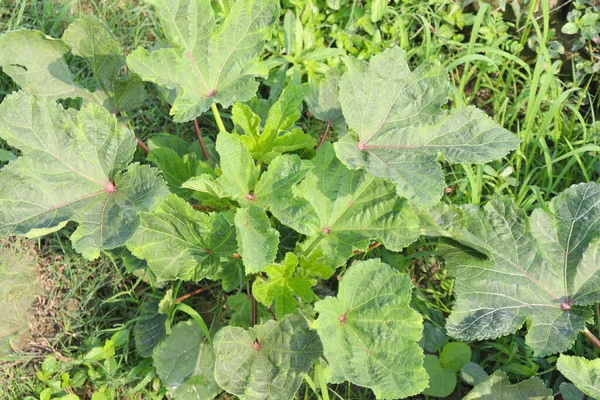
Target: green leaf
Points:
x,y
585,374
398,126
150,329
6,156
185,362
353,208
35,62
278,135
455,355
241,311
74,168
267,361
370,333
497,387
20,287
323,100
570,28
257,240
569,391
378,9
473,373
178,169
282,285
542,269
433,338
181,243
206,64
90,39
442,381
231,274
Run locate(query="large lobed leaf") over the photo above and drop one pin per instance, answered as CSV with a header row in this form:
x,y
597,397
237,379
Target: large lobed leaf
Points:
x,y
543,269
352,209
207,64
74,168
36,63
397,125
498,387
370,333
585,374
267,361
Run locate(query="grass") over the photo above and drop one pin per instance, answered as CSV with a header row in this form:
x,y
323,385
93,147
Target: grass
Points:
x,y
528,92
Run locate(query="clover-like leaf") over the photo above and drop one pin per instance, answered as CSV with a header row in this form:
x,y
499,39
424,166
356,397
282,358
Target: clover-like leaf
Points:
x,y
278,135
74,168
398,126
353,208
585,374
206,64
20,286
370,333
35,62
267,361
179,242
543,269
185,362
498,387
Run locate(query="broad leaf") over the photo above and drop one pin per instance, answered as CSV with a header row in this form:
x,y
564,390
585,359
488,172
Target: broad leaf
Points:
x,y
90,39
74,168
398,126
543,269
278,135
241,311
181,243
267,361
282,285
353,209
370,333
150,329
20,286
323,100
498,387
257,240
206,64
442,381
185,362
585,374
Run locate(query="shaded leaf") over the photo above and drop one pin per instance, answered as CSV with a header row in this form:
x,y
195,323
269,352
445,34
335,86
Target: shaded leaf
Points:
x,y
455,355
207,64
398,126
178,169
267,361
241,311
323,100
442,381
74,168
497,386
181,243
585,374
370,333
150,329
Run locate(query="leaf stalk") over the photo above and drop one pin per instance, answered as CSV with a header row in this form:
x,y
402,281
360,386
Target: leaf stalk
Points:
x,y
200,140
217,116
591,337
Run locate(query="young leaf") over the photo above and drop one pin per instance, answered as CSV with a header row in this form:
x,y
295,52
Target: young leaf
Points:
x,y
353,208
20,287
72,169
455,355
207,64
267,361
282,285
185,362
498,387
585,374
398,126
542,269
442,381
178,169
257,240
90,39
181,243
323,100
278,135
370,333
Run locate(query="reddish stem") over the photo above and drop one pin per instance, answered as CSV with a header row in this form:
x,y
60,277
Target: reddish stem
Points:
x,y
591,337
195,292
324,135
200,140
371,247
254,311
142,145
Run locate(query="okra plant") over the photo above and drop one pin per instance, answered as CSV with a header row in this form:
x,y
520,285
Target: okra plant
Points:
x,y
274,213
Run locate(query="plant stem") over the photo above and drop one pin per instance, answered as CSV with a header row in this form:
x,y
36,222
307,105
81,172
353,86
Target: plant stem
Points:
x,y
324,135
195,292
591,338
217,116
313,245
142,145
254,311
200,140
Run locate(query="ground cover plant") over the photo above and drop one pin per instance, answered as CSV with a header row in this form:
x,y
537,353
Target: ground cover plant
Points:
x,y
272,253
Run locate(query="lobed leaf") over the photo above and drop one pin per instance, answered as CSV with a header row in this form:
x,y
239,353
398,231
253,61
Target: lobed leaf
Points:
x,y
206,64
397,125
370,333
74,168
267,361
